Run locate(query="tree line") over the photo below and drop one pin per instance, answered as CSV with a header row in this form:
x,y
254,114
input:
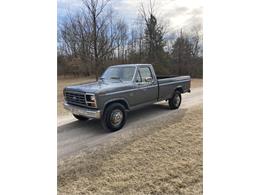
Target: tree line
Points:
x,y
94,38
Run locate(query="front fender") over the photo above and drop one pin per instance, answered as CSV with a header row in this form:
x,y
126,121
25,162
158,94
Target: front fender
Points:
x,y
119,100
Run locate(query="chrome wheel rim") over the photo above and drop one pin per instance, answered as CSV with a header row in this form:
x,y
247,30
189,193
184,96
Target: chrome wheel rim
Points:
x,y
116,117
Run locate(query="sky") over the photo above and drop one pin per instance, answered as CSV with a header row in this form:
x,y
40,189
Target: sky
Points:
x,y
178,14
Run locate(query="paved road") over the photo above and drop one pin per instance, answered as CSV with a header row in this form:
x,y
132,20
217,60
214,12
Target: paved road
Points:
x,y
75,136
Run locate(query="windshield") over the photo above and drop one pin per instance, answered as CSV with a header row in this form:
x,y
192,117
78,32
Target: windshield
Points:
x,y
119,73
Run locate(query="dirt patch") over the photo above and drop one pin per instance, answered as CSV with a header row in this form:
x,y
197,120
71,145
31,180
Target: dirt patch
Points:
x,y
167,159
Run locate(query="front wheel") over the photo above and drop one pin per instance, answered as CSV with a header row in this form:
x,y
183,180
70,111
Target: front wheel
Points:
x,y
175,101
114,117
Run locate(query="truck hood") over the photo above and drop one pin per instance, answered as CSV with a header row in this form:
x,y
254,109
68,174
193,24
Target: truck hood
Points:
x,y
100,87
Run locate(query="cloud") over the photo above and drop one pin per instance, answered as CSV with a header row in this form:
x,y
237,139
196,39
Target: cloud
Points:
x,y
68,5
176,12
127,9
65,6
183,14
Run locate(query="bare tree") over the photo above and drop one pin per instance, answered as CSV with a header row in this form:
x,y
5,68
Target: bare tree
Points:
x,y
196,40
121,41
154,39
90,35
102,38
93,37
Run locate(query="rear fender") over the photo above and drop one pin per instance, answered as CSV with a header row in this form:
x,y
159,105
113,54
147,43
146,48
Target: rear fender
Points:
x,y
178,88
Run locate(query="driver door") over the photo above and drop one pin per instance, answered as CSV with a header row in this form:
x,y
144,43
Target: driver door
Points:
x,y
146,86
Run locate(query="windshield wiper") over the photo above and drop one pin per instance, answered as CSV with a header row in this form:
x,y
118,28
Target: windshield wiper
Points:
x,y
117,78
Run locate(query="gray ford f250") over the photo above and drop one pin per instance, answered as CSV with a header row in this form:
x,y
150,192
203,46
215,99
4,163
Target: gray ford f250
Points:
x,y
120,89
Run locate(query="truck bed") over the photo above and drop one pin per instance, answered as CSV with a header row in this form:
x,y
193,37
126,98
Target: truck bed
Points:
x,y
166,84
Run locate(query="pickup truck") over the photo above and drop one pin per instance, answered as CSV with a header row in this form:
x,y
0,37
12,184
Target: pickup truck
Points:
x,y
120,89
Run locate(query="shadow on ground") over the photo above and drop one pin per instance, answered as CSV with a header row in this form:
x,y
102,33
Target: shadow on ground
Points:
x,y
95,126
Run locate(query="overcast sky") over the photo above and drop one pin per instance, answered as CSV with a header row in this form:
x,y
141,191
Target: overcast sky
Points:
x,y
178,14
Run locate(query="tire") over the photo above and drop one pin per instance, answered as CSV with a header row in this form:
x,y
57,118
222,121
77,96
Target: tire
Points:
x,y
175,101
80,118
114,117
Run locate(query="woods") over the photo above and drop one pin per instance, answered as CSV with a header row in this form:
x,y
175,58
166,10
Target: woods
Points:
x,y
95,37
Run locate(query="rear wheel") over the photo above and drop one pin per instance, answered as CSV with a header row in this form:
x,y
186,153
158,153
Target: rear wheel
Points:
x,y
80,118
175,101
114,117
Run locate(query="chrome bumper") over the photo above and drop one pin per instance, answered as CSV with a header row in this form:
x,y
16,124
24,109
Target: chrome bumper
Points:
x,y
82,111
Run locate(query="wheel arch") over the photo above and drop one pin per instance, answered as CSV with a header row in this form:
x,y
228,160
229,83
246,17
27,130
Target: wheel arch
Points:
x,y
117,100
179,89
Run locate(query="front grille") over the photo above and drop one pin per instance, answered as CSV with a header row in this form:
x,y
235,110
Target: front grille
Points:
x,y
75,98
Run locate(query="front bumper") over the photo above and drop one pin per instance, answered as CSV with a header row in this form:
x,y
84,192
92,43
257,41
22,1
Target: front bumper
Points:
x,y
83,111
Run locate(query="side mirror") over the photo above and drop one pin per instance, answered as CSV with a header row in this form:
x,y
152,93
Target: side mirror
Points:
x,y
148,79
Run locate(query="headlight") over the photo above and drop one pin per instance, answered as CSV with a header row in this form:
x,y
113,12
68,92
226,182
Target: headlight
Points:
x,y
92,98
91,101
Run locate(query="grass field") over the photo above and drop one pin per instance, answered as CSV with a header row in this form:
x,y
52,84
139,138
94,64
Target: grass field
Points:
x,y
167,159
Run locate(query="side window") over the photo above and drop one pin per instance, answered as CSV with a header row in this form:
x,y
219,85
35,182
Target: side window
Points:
x,y
145,73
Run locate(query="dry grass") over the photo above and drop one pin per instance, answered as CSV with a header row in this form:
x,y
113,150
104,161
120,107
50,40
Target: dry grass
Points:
x,y
166,160
195,83
65,81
